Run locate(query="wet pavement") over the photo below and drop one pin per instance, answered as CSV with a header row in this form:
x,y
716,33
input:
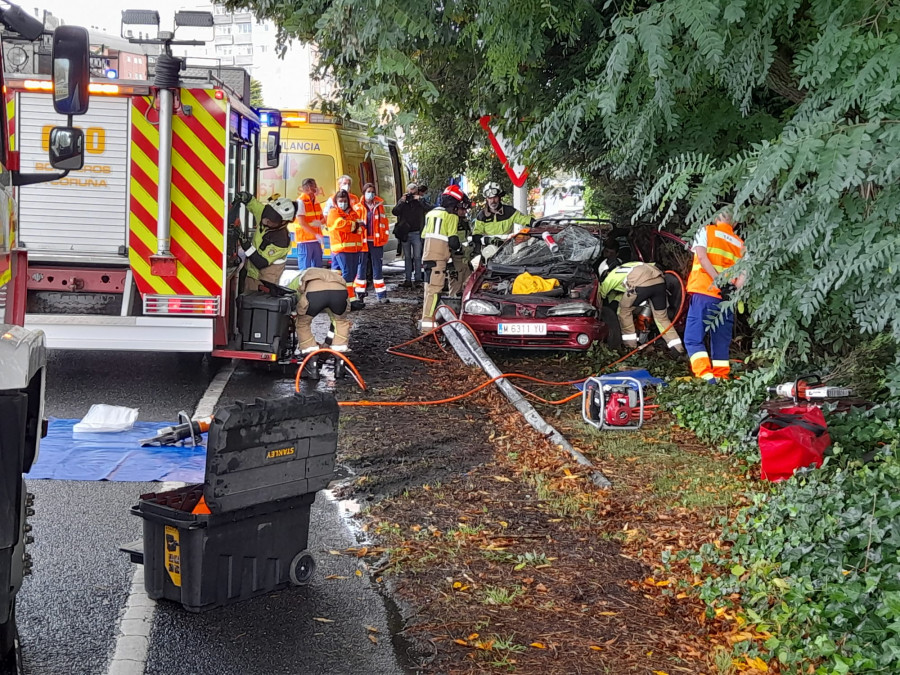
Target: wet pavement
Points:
x,y
69,609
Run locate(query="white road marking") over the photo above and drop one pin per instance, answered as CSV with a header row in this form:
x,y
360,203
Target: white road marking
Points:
x,y
214,391
136,622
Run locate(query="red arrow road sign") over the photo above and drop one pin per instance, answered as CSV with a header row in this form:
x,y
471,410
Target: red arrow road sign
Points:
x,y
517,173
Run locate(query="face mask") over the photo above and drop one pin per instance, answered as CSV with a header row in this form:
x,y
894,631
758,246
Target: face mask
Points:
x,y
343,206
345,187
370,196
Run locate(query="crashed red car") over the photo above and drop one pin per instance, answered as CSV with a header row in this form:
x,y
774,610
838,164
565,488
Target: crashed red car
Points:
x,y
566,317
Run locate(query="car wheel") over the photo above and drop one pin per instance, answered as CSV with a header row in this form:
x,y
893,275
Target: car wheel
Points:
x,y
614,337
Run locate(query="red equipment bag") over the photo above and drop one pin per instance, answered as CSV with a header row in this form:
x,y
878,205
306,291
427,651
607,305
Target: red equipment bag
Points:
x,y
790,439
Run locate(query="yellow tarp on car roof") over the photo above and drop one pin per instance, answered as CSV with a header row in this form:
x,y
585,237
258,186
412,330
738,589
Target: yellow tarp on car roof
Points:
x,y
526,284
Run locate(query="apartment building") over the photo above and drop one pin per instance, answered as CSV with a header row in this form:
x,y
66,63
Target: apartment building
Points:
x,y
240,40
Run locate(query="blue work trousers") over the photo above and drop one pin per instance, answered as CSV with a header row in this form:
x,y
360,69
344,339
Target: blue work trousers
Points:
x,y
376,255
706,318
347,264
309,254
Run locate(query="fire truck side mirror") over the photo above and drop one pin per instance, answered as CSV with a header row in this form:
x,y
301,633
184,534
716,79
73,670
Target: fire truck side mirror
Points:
x,y
273,148
71,70
67,148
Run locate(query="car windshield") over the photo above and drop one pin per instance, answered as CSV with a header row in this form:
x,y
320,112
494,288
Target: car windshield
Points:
x,y
575,245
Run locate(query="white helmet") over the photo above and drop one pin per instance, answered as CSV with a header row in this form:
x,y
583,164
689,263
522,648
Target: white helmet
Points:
x,y
492,189
286,208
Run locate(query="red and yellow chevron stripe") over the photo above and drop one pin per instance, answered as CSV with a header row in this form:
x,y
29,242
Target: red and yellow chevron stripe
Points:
x,y
11,119
199,144
5,272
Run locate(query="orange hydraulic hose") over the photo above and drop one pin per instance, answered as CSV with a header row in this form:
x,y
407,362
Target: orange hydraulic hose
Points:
x,y
577,394
451,399
344,358
423,336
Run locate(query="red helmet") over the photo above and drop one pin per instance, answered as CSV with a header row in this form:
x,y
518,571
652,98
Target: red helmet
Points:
x,y
454,192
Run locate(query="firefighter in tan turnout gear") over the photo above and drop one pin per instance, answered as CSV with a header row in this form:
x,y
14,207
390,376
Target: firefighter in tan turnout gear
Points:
x,y
320,290
441,238
631,284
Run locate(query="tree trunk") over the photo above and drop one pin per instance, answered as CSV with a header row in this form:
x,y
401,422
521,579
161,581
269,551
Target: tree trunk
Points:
x,y
781,80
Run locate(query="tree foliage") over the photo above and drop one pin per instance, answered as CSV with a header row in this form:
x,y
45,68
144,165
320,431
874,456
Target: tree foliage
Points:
x,y
256,93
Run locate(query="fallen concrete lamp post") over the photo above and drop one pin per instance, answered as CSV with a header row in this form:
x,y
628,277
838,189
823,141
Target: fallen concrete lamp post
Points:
x,y
471,353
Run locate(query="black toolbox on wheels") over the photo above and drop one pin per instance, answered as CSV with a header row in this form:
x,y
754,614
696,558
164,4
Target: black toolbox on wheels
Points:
x,y
265,461
264,321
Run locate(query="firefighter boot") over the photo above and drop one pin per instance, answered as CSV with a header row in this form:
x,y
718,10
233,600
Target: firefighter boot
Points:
x,y
311,369
340,368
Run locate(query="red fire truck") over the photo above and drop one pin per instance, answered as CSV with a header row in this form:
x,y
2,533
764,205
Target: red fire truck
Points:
x,y
136,250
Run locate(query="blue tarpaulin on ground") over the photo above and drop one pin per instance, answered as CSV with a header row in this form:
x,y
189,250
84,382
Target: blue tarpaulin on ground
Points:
x,y
642,376
115,456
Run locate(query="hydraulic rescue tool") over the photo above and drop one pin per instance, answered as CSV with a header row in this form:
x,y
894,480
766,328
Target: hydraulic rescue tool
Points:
x,y
808,388
613,402
186,432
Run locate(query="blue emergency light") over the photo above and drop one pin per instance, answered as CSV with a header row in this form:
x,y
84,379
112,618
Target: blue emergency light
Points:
x,y
270,118
112,73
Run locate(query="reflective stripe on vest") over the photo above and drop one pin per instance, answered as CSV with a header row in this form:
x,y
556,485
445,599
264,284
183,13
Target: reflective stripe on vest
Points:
x,y
440,224
313,212
381,228
615,280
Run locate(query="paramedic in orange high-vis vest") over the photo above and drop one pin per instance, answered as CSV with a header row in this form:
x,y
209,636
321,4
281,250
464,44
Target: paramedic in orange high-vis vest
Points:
x,y
309,230
371,207
716,248
347,241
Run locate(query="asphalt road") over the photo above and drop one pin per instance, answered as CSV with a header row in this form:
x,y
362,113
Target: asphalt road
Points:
x,y
69,609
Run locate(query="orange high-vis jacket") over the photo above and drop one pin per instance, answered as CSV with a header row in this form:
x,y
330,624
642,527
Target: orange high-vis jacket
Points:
x,y
331,203
340,225
381,228
724,248
313,212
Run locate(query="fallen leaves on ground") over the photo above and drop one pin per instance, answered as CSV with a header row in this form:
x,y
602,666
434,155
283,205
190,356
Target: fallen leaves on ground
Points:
x,y
479,492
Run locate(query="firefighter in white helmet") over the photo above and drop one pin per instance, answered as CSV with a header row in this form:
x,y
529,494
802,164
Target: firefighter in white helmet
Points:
x,y
496,219
268,250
